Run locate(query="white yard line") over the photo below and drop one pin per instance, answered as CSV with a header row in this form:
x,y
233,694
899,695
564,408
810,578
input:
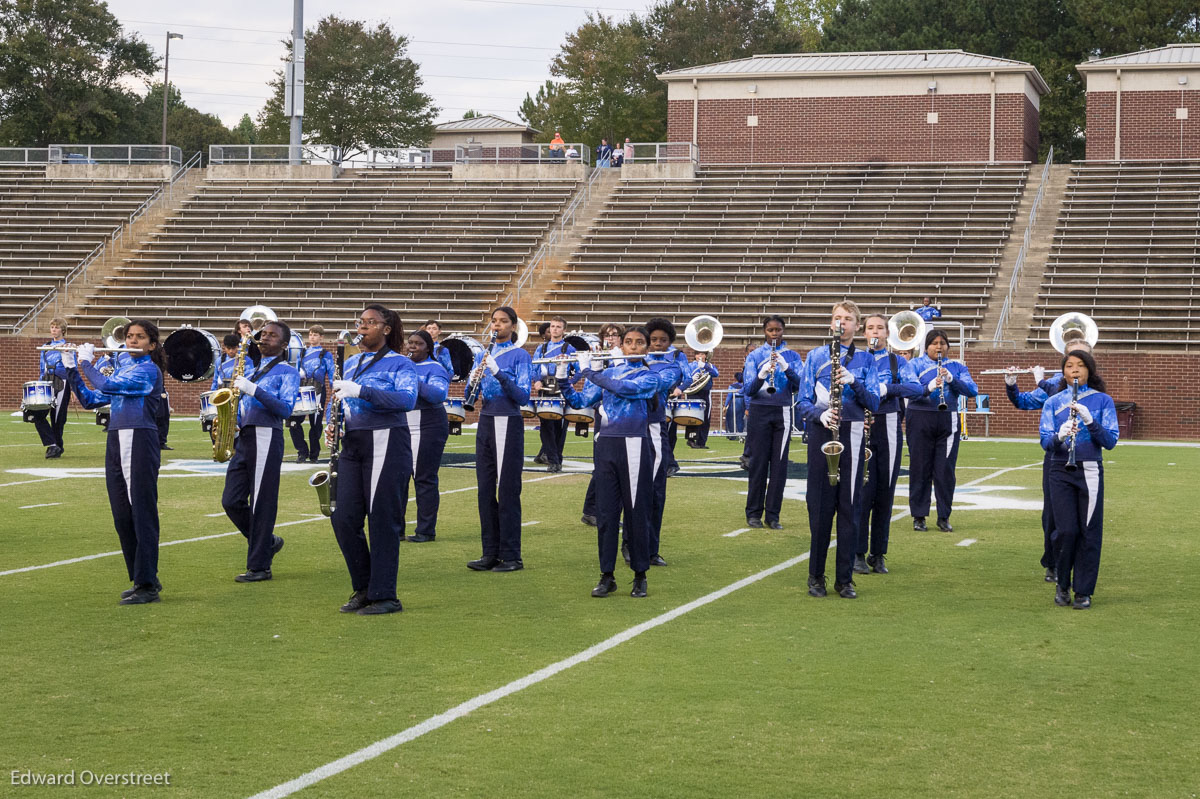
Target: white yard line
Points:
x,y
42,505
26,482
966,542
529,524
736,533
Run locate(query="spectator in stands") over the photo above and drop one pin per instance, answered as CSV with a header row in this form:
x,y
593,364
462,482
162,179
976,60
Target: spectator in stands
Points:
x,y
929,312
440,354
618,157
604,153
572,153
557,147
628,151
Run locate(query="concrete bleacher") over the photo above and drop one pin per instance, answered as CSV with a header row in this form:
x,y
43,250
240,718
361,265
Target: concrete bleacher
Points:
x,y
317,250
49,225
739,241
1126,252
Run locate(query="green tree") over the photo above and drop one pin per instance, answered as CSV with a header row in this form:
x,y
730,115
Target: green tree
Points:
x,y
62,64
807,19
244,131
361,90
471,114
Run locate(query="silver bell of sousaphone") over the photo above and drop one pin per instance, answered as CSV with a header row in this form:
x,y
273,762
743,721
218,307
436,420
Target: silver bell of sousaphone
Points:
x,y
112,332
702,334
1071,327
259,315
906,331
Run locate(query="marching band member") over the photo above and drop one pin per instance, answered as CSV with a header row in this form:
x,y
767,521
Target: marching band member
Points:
x,y
668,365
854,379
251,496
428,430
316,366
552,432
378,387
1075,430
500,446
50,423
610,339
132,455
623,456
223,374
770,376
932,433
897,381
697,435
929,312
440,354
244,328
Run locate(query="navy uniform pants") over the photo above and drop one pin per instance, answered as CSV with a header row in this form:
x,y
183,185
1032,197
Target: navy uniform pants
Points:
x,y
499,457
428,430
372,486
553,434
826,501
660,449
316,430
624,488
131,474
932,456
1049,555
251,497
50,423
1078,500
163,419
879,494
768,436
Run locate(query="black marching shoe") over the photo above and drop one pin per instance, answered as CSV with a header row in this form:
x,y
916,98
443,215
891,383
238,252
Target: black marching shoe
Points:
x,y
253,576
128,592
508,565
312,458
876,564
919,524
1082,602
540,460
142,595
166,447
302,459
672,470
944,526
744,462
54,451
774,524
816,586
860,565
639,586
276,544
1051,576
421,538
606,586
484,564
755,523
625,551
590,521
1062,597
657,560
554,468
380,607
846,591
358,600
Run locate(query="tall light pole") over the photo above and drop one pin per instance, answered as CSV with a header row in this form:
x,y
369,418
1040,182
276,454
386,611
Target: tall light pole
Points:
x,y
294,83
167,81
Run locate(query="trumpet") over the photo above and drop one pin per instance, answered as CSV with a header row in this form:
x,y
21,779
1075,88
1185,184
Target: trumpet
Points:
x,y
596,356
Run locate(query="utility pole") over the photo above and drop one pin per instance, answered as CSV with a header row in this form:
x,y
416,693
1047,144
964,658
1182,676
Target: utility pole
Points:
x,y
293,100
167,81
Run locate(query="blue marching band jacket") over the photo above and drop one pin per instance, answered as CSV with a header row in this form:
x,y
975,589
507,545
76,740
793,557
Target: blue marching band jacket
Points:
x,y
1101,433
962,385
787,376
224,371
389,390
668,368
316,365
504,393
552,349
622,394
433,384
51,362
133,391
277,386
895,385
862,394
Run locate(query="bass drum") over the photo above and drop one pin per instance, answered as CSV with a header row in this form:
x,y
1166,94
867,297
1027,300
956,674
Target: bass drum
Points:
x,y
463,351
192,354
583,341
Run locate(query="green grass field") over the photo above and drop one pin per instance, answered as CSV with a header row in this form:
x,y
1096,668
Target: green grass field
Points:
x,y
955,675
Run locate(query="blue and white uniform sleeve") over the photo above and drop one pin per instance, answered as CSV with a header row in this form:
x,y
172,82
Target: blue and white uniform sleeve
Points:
x,y
1104,429
137,382
1026,400
435,387
866,388
517,390
963,383
400,396
88,398
280,401
642,384
588,396
807,393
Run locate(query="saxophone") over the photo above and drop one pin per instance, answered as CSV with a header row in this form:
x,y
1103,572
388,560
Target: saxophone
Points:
x,y
325,481
833,449
225,400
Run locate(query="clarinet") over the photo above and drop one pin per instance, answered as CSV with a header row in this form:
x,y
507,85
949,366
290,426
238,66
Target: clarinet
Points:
x,y
475,380
868,418
771,374
942,388
1074,419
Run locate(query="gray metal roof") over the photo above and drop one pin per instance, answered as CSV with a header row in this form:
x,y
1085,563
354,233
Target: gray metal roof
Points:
x,y
851,63
1171,55
485,122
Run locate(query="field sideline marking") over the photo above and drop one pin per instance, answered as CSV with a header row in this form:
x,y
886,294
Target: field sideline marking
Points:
x,y
977,481
42,505
736,533
458,711
966,542
24,482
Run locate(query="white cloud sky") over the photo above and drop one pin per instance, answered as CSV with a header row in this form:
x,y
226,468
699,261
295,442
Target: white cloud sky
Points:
x,y
481,54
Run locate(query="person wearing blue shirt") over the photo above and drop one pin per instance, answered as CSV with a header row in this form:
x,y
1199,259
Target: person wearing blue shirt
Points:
x,y
610,341
378,387
852,375
897,382
668,365
933,432
623,461
552,432
251,496
695,435
770,378
440,354
428,429
500,445
929,312
1076,427
223,373
316,366
132,454
50,423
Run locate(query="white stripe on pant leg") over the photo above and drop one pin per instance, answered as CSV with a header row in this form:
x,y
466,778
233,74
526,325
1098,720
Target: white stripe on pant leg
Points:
x,y
953,432
656,443
893,458
856,440
633,461
500,428
787,429
125,438
262,444
379,439
1091,476
414,437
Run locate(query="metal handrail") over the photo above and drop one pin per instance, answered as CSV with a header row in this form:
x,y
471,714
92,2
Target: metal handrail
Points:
x,y
584,195
1006,308
6,158
541,153
692,152
94,153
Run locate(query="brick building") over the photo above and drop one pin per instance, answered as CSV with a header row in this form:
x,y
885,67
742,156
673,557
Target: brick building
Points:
x,y
1144,105
932,105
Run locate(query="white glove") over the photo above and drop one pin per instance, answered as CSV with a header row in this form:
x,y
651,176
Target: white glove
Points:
x,y
1065,430
1010,378
764,370
346,389
245,386
1039,373
949,377
303,376
846,377
492,366
68,359
86,353
561,371
883,390
827,418
1085,415
585,360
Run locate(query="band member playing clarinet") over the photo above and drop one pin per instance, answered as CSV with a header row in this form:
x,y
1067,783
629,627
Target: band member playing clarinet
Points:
x,y
316,366
428,430
933,433
624,459
500,445
50,423
378,388
553,432
132,456
771,376
839,383
1077,426
251,497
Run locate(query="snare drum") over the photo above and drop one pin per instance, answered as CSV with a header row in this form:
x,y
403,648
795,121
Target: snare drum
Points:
x,y
306,402
207,409
580,415
687,413
528,412
454,410
38,395
549,408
